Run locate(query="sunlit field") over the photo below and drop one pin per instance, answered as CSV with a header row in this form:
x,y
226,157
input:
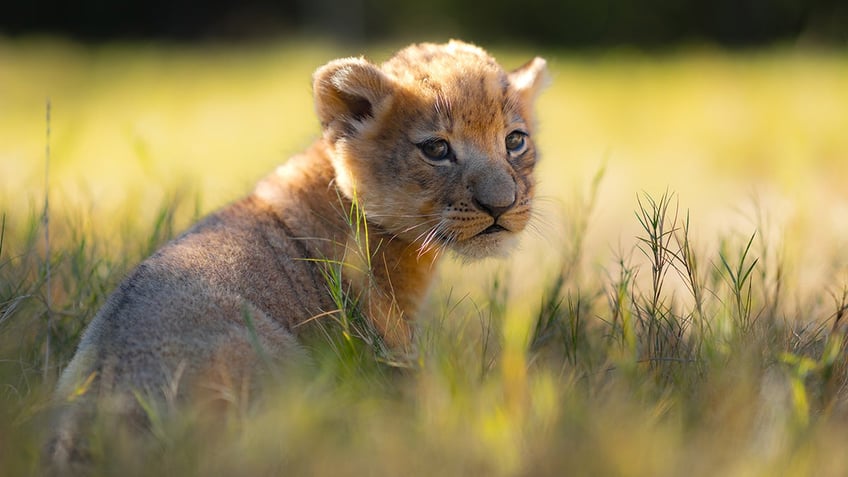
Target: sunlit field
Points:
x,y
677,308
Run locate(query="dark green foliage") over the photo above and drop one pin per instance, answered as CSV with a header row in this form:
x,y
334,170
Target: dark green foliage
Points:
x,y
653,23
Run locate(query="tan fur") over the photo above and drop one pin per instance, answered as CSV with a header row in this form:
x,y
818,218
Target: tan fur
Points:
x,y
178,322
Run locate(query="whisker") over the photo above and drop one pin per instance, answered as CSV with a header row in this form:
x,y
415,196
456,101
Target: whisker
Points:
x,y
428,239
434,233
541,222
413,227
429,231
536,231
402,216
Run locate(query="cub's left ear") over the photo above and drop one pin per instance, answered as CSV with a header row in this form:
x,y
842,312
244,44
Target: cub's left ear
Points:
x,y
348,92
530,79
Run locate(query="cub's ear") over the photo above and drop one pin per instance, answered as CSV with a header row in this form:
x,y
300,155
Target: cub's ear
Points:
x,y
530,79
349,91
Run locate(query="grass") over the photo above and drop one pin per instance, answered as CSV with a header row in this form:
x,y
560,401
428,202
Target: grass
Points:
x,y
695,331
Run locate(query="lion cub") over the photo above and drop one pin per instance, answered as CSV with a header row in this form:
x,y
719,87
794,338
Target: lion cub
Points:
x,y
435,148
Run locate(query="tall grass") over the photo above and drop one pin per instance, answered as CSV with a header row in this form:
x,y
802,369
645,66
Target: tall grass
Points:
x,y
679,352
619,375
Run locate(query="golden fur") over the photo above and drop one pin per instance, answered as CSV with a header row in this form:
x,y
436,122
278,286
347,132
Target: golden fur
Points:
x,y
181,318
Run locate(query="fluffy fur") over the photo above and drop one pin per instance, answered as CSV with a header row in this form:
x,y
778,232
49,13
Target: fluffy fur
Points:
x,y
182,319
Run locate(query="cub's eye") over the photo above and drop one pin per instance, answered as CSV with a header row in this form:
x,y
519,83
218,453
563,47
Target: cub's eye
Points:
x,y
436,149
516,142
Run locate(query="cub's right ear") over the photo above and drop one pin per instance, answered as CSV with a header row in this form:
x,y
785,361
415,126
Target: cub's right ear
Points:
x,y
348,92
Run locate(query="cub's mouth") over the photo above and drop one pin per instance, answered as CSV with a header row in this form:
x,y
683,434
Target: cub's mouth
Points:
x,y
486,239
493,229
492,240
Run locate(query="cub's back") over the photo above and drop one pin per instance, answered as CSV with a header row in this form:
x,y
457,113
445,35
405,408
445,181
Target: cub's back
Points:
x,y
186,306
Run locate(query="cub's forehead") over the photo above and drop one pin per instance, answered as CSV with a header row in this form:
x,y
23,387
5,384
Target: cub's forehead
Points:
x,y
456,78
451,65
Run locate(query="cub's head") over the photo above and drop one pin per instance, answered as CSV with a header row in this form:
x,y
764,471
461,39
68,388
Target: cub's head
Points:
x,y
436,144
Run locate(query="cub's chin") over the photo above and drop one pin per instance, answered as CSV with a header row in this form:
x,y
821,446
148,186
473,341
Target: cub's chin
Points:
x,y
494,244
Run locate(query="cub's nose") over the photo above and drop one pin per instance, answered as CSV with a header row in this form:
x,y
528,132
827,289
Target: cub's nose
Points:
x,y
496,195
494,210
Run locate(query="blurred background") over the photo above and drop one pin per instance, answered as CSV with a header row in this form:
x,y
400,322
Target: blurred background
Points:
x,y
737,105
